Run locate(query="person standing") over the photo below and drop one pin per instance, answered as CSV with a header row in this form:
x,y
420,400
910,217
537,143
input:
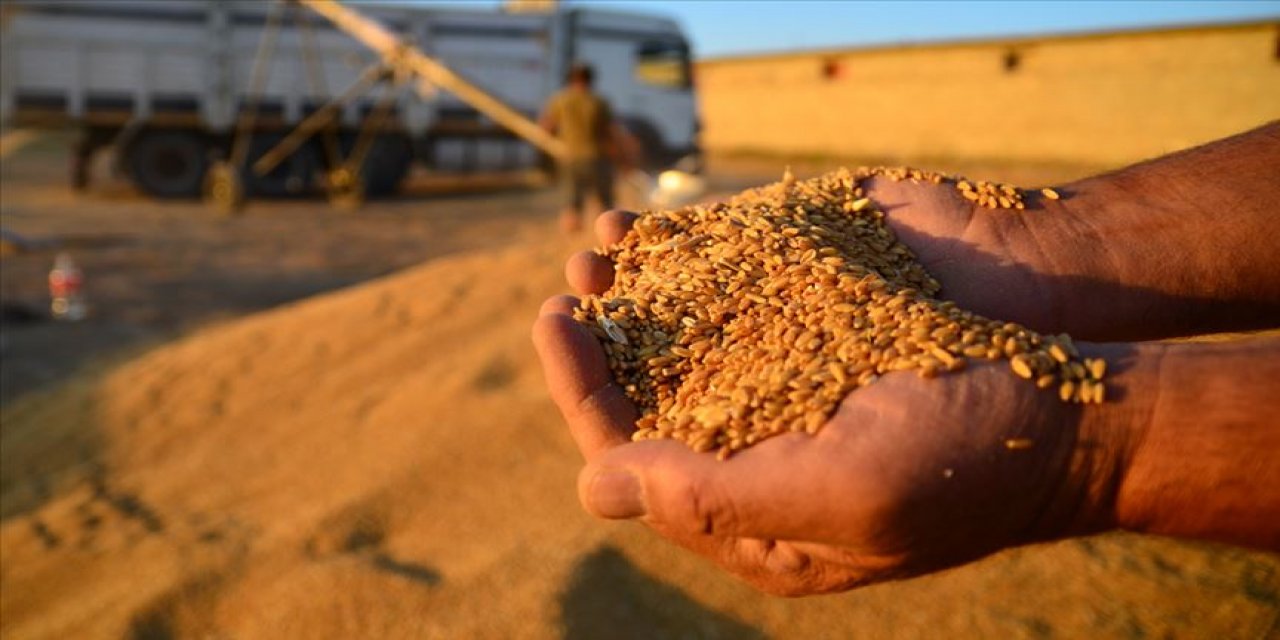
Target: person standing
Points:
x,y
584,122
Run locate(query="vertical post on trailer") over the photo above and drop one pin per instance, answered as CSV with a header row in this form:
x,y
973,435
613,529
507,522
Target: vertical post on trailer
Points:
x,y
223,187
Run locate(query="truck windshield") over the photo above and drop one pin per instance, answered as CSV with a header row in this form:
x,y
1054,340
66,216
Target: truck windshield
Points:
x,y
664,64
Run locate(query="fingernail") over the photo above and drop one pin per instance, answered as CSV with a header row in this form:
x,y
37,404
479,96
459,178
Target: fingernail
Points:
x,y
615,494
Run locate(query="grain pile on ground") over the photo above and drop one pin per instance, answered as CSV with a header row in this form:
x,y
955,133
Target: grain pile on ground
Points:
x,y
383,462
737,321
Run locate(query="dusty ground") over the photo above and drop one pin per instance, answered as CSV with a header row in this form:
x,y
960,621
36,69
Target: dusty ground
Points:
x,y
383,462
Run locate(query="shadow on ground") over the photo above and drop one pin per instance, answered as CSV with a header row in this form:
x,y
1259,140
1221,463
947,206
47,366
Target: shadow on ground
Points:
x,y
608,597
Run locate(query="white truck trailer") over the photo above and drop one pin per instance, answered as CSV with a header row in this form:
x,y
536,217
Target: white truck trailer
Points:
x,y
165,82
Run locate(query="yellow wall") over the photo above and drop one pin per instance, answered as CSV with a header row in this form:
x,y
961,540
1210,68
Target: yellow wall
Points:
x,y
1093,99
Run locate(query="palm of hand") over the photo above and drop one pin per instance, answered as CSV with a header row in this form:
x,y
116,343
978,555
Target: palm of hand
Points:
x,y
909,476
986,260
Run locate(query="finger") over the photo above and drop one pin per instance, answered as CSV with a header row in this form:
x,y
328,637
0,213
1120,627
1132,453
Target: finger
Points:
x,y
777,489
561,304
589,272
777,567
669,485
612,226
786,569
599,414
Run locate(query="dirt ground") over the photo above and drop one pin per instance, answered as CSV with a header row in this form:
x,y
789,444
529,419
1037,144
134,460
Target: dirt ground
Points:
x,y
230,447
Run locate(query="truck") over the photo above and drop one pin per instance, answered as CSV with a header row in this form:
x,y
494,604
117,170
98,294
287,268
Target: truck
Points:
x,y
166,84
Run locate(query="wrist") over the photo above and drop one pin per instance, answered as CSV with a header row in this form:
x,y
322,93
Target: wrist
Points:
x,y
1107,437
1134,256
1203,466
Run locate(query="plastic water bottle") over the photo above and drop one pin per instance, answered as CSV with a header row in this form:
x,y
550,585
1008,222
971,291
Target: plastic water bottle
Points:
x,y
65,289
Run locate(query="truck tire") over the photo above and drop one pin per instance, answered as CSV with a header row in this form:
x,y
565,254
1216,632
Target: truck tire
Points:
x,y
168,163
387,164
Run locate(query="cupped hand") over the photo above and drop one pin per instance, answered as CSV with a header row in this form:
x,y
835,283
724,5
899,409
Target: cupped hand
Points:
x,y
909,476
989,261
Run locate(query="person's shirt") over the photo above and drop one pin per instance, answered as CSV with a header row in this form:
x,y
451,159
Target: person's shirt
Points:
x,y
582,120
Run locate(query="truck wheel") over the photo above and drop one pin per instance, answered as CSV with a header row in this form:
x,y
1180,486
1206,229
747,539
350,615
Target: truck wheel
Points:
x,y
168,163
387,164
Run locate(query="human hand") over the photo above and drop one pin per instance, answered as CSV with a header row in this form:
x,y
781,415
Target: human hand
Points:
x,y
1133,254
987,260
909,476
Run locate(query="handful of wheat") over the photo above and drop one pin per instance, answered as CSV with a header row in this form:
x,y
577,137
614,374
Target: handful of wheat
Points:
x,y
733,322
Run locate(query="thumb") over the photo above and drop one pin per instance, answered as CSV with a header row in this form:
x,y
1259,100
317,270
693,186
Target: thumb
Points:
x,y
668,485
